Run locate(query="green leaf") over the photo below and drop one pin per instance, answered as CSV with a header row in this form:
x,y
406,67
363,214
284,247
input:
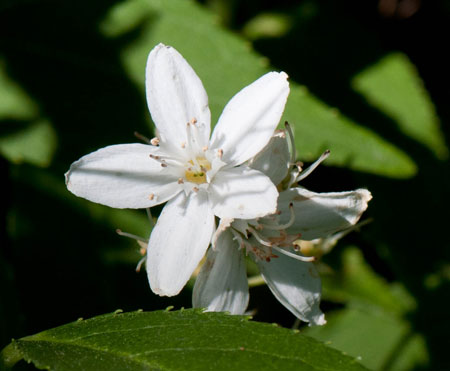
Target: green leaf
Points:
x,y
374,325
181,340
379,340
393,86
226,64
24,136
356,282
14,101
34,144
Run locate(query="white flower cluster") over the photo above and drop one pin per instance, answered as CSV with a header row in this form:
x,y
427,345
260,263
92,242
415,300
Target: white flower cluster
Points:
x,y
243,174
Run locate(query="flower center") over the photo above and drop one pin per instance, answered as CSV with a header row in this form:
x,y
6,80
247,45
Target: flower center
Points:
x,y
197,172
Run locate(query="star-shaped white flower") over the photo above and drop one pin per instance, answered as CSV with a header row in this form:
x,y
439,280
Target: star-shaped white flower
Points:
x,y
198,176
222,282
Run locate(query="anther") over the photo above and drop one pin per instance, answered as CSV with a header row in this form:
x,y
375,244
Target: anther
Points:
x,y
180,181
163,164
151,196
193,121
195,189
154,141
220,153
183,145
205,148
154,157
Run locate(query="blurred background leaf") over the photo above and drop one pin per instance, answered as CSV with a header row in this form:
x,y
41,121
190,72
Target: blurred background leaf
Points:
x,y
369,81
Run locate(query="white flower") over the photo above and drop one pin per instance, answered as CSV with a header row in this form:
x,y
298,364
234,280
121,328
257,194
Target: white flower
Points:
x,y
222,282
198,176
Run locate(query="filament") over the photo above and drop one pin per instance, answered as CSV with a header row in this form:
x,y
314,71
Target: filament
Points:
x,y
313,166
129,235
282,226
259,239
291,141
295,256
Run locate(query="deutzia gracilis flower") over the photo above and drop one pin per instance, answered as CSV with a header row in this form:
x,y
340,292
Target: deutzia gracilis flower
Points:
x,y
222,282
197,176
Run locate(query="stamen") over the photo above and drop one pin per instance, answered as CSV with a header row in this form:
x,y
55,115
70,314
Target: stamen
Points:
x,y
142,137
183,145
294,173
139,265
295,256
282,226
313,166
193,121
259,238
195,189
151,196
180,181
205,148
291,141
149,216
220,153
129,235
162,161
155,141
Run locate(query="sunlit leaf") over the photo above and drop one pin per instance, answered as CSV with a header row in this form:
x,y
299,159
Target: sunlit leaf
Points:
x,y
24,137
394,87
226,64
35,144
181,340
14,102
267,25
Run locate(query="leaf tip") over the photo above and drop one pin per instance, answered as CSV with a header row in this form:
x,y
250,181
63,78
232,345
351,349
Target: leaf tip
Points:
x,y
118,311
10,355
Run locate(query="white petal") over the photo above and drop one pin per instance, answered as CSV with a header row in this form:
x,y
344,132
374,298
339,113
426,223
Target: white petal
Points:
x,y
122,176
224,224
242,193
175,96
320,214
178,242
222,282
296,285
250,118
274,159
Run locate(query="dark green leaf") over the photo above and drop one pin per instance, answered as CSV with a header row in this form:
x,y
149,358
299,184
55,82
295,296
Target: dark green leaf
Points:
x,y
180,340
